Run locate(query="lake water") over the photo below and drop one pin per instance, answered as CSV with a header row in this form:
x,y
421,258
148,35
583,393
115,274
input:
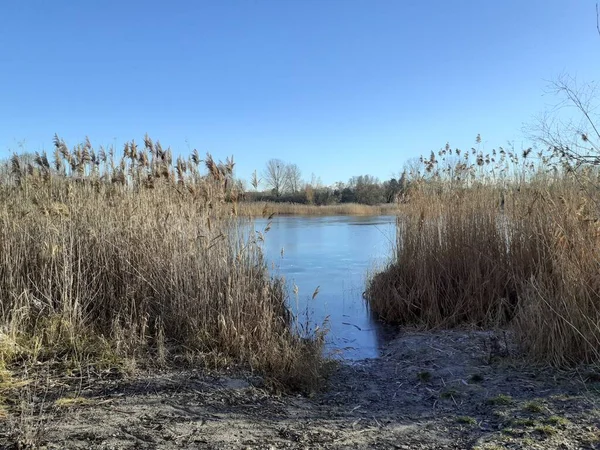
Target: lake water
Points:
x,y
335,254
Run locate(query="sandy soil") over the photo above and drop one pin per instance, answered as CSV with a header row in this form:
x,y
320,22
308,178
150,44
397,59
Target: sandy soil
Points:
x,y
442,390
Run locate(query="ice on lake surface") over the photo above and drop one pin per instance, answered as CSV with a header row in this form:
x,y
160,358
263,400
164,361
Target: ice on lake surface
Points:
x,y
335,254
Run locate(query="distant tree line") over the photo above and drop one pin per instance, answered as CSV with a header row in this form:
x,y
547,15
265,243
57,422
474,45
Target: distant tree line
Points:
x,y
284,183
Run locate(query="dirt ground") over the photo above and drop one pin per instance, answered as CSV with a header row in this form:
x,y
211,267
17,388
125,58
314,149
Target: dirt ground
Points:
x,y
428,390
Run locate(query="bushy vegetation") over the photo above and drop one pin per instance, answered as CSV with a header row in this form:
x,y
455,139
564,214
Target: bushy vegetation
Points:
x,y
107,258
285,185
500,239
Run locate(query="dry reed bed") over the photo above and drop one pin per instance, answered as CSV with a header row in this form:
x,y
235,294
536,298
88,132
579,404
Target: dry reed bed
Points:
x,y
257,209
106,263
493,254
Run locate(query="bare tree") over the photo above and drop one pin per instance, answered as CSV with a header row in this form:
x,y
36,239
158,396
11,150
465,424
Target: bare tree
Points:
x,y
315,181
571,128
577,137
293,177
275,175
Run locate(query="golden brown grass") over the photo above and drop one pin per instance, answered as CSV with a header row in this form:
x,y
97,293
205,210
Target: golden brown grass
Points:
x,y
522,252
105,259
257,209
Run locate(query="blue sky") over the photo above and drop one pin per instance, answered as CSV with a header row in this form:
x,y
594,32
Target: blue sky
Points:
x,y
339,87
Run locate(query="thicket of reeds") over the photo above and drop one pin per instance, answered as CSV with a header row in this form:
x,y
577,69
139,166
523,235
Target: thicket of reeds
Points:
x,y
107,259
257,209
500,240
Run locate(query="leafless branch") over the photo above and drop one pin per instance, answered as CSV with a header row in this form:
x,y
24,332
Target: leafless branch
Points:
x,y
597,19
576,134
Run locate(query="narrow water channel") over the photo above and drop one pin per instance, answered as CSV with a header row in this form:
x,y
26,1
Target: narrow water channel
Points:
x,y
334,254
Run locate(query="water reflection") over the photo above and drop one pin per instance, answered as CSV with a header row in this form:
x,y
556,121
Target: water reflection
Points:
x,y
334,254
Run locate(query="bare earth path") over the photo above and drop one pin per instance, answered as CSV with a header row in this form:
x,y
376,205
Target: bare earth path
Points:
x,y
431,390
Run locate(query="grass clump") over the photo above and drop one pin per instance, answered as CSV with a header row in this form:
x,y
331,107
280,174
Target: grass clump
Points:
x,y
557,421
534,407
500,400
466,420
499,239
523,422
449,394
109,258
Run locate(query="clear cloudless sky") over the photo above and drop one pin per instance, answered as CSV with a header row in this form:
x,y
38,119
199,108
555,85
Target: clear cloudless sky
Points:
x,y
339,87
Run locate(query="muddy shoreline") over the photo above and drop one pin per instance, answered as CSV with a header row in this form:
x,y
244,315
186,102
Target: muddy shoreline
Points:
x,y
428,390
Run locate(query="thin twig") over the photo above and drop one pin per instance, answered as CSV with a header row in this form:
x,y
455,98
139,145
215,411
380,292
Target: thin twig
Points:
x,y
597,19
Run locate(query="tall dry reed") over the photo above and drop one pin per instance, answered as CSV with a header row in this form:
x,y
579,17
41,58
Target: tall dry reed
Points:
x,y
521,251
105,258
